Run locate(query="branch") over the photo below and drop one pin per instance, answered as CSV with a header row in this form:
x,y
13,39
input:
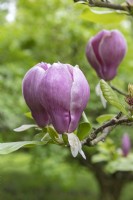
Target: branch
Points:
x,y
106,129
93,3
105,4
117,90
101,137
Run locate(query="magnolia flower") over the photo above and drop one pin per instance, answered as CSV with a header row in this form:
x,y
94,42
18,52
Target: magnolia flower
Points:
x,y
56,94
126,144
105,51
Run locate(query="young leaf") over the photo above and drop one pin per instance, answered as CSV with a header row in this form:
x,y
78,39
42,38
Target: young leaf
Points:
x,y
24,127
120,164
111,97
103,118
102,17
83,130
43,137
100,158
9,147
28,114
100,94
65,138
52,132
54,135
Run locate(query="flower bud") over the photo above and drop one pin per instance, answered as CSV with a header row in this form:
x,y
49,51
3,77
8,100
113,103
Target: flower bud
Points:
x,y
61,90
129,97
105,52
126,144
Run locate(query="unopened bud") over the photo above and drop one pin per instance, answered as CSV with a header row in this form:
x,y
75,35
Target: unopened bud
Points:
x,y
130,90
129,98
126,144
105,51
56,94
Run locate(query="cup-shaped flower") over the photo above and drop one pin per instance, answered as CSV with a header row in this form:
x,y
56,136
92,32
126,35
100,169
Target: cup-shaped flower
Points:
x,y
126,144
62,92
105,51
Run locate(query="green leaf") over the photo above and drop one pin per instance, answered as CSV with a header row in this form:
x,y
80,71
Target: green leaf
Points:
x,y
102,17
111,97
65,138
120,164
25,127
9,147
83,130
100,158
43,137
52,132
103,118
54,135
29,115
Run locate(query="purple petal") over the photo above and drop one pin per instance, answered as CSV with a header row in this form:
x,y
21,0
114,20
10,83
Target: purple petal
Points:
x,y
126,144
30,89
93,60
80,93
112,49
55,95
92,53
96,42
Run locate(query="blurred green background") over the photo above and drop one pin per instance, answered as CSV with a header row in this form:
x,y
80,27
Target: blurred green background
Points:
x,y
32,31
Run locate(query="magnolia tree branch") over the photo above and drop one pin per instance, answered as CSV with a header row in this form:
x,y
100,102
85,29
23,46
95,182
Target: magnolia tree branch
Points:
x,y
105,129
117,90
105,4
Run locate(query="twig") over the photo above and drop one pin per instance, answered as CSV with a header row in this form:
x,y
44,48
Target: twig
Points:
x,y
101,137
107,5
85,117
93,139
117,90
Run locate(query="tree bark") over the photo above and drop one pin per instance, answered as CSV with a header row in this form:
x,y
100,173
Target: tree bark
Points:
x,y
110,185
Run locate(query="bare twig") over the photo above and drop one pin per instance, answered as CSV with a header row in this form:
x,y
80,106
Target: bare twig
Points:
x,y
117,90
93,139
105,4
101,137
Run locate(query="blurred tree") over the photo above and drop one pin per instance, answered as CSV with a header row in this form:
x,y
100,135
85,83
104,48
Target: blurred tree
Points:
x,y
52,31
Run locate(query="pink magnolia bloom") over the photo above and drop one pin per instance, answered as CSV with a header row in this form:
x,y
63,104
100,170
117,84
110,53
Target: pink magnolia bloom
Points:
x,y
105,51
126,144
56,93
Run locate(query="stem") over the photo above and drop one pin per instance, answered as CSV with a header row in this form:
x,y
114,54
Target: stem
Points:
x,y
101,137
85,117
93,3
117,90
93,139
106,4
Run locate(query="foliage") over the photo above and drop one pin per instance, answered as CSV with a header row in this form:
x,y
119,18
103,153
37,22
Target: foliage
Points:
x,y
53,31
57,179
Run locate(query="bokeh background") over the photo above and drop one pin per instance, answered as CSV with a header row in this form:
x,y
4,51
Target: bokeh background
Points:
x,y
32,31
